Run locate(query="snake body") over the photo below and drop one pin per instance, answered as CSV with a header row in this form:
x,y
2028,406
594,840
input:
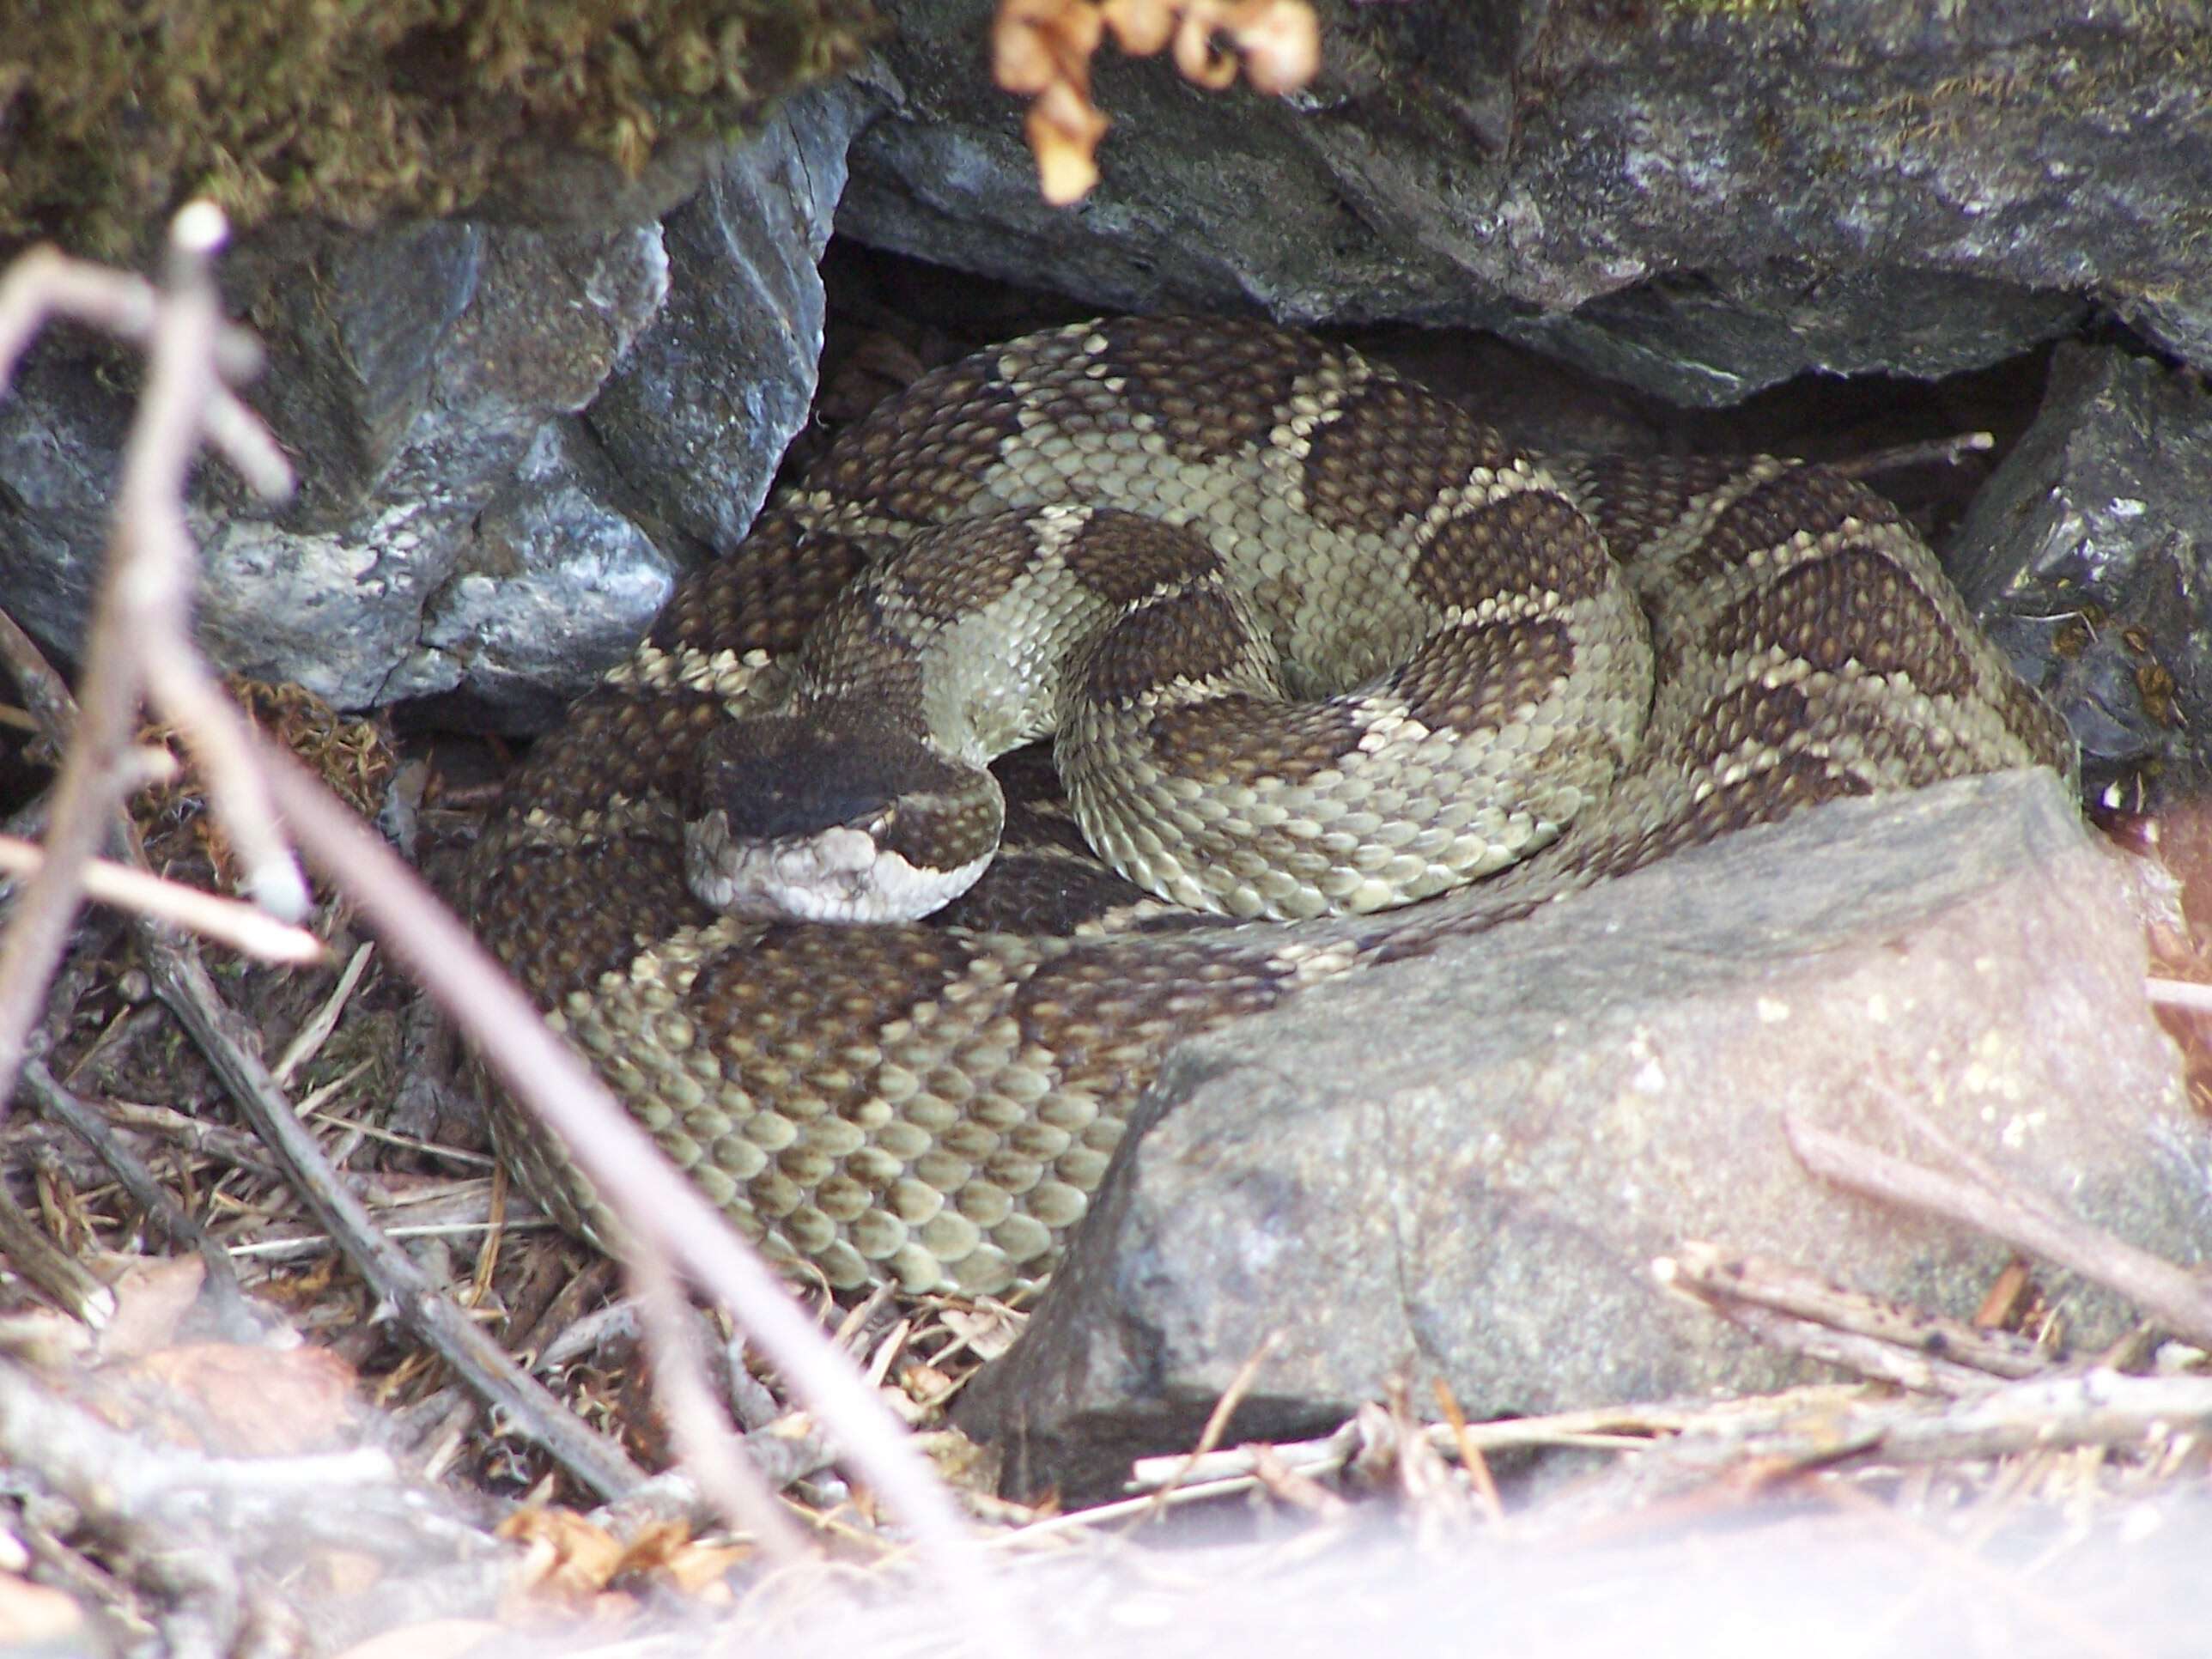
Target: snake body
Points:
x,y
1149,537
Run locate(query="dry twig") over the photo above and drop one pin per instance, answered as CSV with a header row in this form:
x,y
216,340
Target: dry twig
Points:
x,y
150,1194
140,638
1982,1197
1934,452
144,602
1877,1338
244,929
190,1520
1216,1420
182,984
696,1423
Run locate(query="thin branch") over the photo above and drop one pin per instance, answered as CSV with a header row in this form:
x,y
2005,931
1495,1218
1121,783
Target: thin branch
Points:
x,y
182,984
168,1497
66,1282
317,1032
2023,1218
710,1453
47,699
1938,452
1923,1350
143,597
149,1193
228,922
2179,994
213,729
1225,1407
1613,1427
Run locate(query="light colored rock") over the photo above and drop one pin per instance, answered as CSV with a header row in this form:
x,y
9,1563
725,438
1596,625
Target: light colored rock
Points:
x,y
1462,1167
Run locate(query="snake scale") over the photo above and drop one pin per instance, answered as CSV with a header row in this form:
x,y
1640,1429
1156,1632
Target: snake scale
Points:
x,y
1652,653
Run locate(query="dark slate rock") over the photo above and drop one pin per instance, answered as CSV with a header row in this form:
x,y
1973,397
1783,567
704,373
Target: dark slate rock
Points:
x,y
1463,1168
1730,194
2084,555
408,457
556,583
458,531
701,410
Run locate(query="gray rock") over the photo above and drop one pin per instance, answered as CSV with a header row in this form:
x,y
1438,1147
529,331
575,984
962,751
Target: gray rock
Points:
x,y
417,440
1463,1168
554,586
1701,199
459,532
700,412
2085,554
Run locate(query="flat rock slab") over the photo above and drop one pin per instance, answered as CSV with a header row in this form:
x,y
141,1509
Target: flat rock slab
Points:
x,y
1462,1167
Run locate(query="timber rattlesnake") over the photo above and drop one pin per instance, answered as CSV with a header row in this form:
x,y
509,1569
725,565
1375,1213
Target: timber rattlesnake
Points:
x,y
933,1101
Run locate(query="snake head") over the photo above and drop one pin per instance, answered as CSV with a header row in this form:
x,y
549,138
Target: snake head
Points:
x,y
827,814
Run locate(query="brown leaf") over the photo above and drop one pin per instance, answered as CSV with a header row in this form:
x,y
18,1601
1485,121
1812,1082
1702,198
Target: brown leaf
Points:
x,y
152,1297
568,1557
254,1402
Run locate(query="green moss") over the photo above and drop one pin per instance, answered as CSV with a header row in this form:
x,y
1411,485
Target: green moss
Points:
x,y
113,112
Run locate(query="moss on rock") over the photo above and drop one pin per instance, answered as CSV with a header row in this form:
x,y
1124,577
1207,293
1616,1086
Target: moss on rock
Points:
x,y
112,112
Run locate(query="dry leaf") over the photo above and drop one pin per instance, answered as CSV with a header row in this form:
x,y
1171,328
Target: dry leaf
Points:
x,y
1042,49
566,1556
152,1296
257,1403
987,1329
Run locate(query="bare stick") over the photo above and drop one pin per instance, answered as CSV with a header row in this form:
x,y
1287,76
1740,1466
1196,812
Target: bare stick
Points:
x,y
2091,1409
2180,994
226,920
1615,1427
1940,452
1870,1357
728,1478
213,729
182,984
2023,1218
628,1169
51,708
1216,1420
138,1180
1470,1454
143,597
67,1282
1716,1278
317,1032
162,1499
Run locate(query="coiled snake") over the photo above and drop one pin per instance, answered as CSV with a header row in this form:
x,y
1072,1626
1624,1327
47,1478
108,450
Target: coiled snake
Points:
x,y
1316,644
